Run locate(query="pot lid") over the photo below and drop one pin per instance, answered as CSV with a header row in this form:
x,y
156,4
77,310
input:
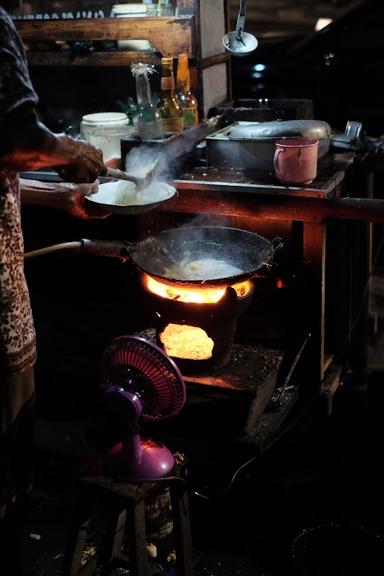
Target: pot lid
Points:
x,y
315,129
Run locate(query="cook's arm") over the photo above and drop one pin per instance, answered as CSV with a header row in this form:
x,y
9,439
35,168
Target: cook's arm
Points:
x,y
65,196
27,144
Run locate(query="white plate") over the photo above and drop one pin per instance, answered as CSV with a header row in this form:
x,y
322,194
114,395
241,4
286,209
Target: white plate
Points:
x,y
121,209
101,200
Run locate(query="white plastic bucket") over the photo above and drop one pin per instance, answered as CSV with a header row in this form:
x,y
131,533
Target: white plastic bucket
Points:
x,y
104,130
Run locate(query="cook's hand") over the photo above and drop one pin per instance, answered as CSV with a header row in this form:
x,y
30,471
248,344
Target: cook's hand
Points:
x,y
84,162
74,200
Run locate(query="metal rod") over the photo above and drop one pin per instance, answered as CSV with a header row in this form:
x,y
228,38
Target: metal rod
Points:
x,y
364,209
241,18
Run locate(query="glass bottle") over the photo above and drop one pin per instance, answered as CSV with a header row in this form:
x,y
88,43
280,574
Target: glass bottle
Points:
x,y
147,120
163,8
186,98
170,108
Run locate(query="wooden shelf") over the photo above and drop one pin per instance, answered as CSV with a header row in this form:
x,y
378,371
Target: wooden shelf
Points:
x,y
108,58
67,58
170,36
103,42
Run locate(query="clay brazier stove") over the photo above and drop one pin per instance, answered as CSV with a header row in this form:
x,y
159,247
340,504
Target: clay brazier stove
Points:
x,y
196,325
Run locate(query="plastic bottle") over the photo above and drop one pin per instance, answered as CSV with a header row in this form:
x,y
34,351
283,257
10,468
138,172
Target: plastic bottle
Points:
x,y
147,120
186,98
170,108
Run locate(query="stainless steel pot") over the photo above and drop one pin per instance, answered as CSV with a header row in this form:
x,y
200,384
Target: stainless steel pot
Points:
x,y
251,145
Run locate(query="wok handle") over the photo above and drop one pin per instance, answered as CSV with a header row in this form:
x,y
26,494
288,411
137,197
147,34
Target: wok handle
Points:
x,y
108,248
65,247
85,246
277,243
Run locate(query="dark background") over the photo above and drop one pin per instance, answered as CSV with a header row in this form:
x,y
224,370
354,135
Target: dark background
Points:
x,y
338,68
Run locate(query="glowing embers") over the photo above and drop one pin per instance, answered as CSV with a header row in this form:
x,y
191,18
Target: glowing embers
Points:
x,y
195,325
189,342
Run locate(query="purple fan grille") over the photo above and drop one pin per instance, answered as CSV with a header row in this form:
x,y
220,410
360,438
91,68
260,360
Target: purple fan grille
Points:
x,y
152,374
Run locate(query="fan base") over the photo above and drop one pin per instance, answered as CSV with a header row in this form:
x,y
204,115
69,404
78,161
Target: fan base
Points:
x,y
155,461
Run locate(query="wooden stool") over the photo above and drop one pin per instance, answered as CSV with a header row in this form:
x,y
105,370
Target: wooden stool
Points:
x,y
117,505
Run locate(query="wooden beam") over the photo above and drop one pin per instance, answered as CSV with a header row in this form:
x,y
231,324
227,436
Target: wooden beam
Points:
x,y
214,60
194,198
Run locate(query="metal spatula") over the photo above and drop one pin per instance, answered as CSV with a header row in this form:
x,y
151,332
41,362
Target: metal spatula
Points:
x,y
140,181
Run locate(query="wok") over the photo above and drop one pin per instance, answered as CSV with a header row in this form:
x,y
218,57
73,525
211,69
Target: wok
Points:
x,y
208,255
188,255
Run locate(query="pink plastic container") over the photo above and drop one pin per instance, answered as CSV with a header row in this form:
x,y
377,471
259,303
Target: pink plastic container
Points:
x,y
295,160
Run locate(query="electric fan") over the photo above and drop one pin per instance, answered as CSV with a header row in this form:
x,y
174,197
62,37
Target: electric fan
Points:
x,y
141,382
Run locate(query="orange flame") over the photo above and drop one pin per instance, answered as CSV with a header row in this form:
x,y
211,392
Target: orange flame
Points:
x,y
198,294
